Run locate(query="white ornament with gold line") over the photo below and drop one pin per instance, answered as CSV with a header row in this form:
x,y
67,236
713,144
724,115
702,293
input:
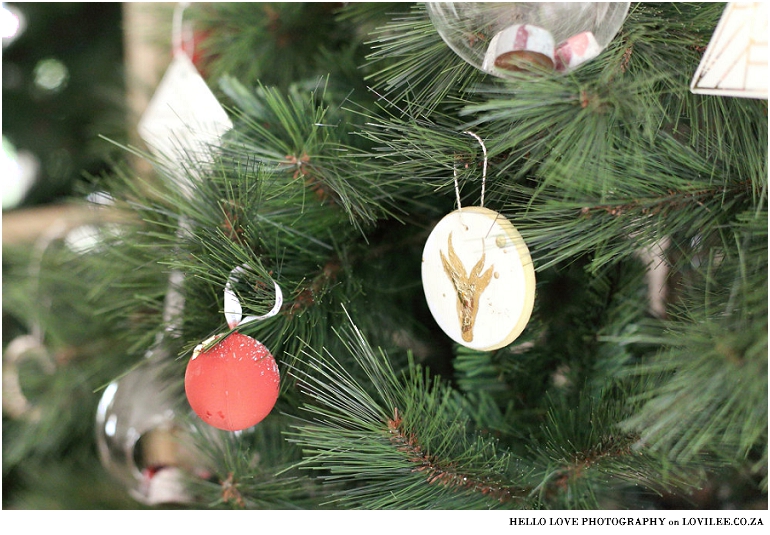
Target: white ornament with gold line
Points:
x,y
478,277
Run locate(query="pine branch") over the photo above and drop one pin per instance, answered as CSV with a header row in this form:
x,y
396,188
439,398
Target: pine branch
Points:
x,y
275,44
583,459
412,59
423,454
300,135
396,443
245,469
705,391
620,226
430,149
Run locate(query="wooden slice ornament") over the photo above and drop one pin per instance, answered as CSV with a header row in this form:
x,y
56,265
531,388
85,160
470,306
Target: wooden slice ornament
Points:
x,y
478,277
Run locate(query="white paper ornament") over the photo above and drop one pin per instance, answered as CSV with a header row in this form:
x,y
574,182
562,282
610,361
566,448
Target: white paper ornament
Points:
x,y
478,278
184,119
736,60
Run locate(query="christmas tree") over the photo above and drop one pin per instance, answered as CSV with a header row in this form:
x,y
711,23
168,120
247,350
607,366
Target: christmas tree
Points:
x,y
637,381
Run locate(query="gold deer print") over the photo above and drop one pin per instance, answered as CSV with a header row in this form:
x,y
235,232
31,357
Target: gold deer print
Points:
x,y
468,288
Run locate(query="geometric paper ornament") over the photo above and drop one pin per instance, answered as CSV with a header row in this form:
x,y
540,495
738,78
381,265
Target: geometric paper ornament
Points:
x,y
736,62
183,119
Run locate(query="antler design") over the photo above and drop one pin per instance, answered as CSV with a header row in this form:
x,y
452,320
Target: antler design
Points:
x,y
468,288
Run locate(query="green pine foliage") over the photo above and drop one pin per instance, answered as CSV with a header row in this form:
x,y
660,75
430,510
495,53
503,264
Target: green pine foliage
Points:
x,y
350,121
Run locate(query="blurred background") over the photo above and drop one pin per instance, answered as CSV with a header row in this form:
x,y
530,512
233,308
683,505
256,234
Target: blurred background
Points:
x,y
63,86
75,77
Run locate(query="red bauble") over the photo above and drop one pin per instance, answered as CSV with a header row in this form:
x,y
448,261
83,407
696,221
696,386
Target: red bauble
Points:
x,y
233,384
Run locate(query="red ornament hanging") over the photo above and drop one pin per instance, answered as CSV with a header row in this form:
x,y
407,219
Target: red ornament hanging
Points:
x,y
232,381
234,384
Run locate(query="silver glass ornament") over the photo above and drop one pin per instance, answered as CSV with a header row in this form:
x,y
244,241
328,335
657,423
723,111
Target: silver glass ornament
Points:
x,y
140,439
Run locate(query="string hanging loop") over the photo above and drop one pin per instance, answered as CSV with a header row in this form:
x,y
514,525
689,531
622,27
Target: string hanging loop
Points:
x,y
483,171
181,34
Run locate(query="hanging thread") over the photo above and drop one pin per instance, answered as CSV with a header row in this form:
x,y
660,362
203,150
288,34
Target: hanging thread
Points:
x,y
178,36
483,171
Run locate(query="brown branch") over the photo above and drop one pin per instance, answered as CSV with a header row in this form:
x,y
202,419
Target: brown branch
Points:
x,y
307,297
673,200
626,58
609,447
304,168
230,492
445,474
26,225
450,476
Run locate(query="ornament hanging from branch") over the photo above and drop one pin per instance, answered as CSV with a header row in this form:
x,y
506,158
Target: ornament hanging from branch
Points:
x,y
478,276
182,124
141,440
501,38
232,381
184,120
736,60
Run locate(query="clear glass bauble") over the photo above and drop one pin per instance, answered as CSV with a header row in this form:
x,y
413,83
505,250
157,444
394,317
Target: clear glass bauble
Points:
x,y
501,38
140,440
